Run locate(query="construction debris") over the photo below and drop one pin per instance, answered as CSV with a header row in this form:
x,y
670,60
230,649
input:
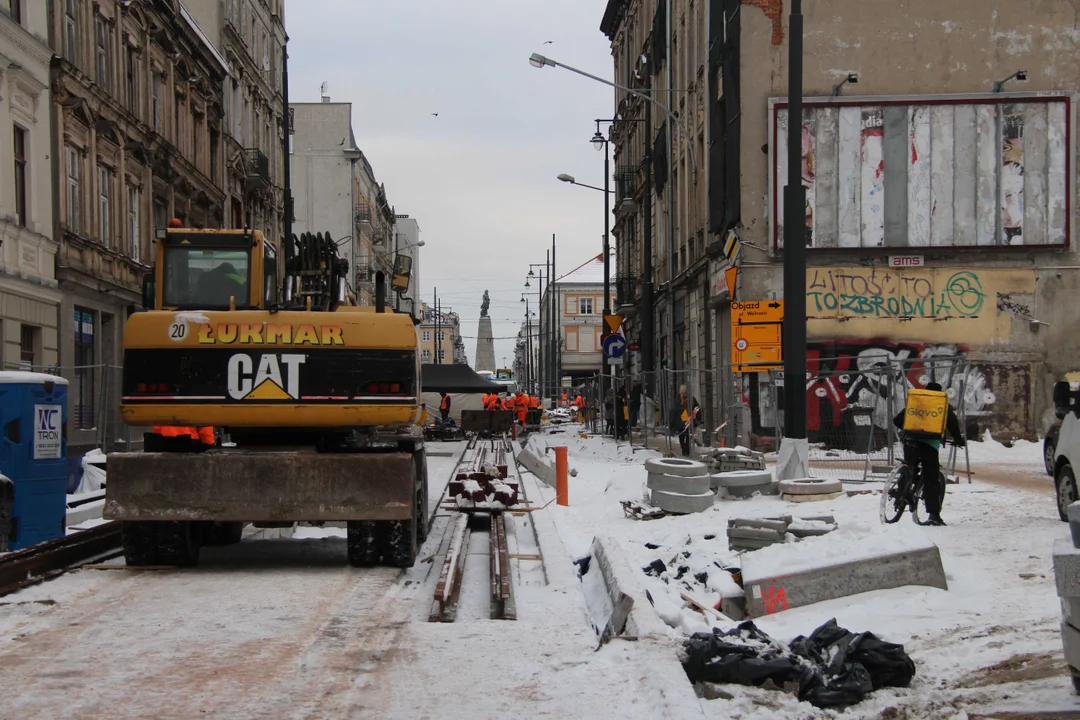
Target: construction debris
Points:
x,y
755,533
484,483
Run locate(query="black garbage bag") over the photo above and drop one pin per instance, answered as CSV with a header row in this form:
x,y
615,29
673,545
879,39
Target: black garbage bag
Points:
x,y
887,663
833,667
847,687
744,656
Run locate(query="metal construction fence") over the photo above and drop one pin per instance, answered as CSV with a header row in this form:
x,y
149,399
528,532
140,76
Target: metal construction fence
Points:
x,y
850,412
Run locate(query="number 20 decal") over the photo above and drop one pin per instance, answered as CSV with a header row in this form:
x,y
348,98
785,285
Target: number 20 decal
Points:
x,y
177,330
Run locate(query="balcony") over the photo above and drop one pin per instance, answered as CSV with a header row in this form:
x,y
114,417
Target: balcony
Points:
x,y
256,168
363,216
626,185
626,294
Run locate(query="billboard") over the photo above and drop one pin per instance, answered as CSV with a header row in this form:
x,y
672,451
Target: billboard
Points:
x,y
924,172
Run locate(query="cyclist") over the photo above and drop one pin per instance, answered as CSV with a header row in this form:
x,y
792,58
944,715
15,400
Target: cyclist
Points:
x,y
922,452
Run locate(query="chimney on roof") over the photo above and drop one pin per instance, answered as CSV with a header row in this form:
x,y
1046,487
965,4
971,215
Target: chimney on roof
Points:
x,y
325,90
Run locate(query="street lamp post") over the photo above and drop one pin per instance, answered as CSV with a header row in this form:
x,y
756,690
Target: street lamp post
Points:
x,y
528,343
601,144
542,346
794,458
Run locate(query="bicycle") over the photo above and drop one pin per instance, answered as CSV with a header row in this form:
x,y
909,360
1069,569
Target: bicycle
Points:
x,y
904,490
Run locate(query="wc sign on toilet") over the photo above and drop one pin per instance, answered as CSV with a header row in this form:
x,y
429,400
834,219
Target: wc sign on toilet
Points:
x,y
48,432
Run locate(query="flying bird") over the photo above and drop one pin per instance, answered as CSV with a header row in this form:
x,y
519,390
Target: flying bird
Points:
x,y
549,42
435,114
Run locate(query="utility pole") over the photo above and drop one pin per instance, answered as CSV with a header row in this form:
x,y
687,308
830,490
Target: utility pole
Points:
x,y
794,268
648,357
435,309
556,331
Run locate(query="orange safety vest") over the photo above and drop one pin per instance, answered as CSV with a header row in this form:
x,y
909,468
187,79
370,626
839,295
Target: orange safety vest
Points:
x,y
564,399
204,434
508,403
534,402
445,403
489,401
522,401
579,402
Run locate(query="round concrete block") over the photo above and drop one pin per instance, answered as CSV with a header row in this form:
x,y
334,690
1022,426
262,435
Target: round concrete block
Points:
x,y
676,466
811,486
742,478
809,498
772,488
676,484
683,504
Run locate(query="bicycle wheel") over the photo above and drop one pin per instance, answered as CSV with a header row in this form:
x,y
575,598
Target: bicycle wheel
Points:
x,y
919,512
893,497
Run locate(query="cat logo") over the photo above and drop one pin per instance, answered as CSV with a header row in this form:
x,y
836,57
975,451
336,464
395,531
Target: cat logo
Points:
x,y
262,378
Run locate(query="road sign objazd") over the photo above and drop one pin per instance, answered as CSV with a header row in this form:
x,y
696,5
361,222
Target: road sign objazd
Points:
x,y
757,329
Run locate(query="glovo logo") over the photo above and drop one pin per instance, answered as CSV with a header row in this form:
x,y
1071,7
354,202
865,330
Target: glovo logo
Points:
x,y
266,377
923,413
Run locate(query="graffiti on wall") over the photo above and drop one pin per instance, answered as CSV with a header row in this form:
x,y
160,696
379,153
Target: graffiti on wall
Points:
x,y
879,292
973,306
923,174
853,378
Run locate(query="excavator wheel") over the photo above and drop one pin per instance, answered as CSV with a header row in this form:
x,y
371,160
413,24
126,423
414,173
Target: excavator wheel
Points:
x,y
398,542
178,543
137,539
226,533
420,459
362,545
161,543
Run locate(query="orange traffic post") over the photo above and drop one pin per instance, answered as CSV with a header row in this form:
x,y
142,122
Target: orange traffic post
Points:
x,y
562,490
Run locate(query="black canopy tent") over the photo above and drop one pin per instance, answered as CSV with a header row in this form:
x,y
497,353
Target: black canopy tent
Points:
x,y
455,379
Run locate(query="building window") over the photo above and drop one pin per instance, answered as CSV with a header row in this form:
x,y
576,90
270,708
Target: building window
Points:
x,y
105,190
20,175
442,335
28,342
427,336
157,107
71,31
133,81
103,56
74,196
585,306
84,369
134,229
161,213
442,355
16,10
427,356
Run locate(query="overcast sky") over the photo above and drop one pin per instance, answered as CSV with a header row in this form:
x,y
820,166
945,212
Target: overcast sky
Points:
x,y
480,177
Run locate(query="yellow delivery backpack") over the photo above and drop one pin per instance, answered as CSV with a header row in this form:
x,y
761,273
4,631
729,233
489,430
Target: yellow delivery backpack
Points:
x,y
926,413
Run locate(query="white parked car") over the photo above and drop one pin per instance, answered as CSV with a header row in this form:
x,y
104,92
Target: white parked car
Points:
x,y
1066,452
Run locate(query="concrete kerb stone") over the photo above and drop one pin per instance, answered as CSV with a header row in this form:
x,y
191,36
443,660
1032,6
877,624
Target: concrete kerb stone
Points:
x,y
680,503
644,625
767,594
535,465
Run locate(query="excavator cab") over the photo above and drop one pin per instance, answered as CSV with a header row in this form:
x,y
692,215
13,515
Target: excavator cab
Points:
x,y
211,270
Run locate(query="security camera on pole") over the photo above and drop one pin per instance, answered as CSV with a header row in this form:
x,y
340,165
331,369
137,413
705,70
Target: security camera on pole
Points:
x,y
794,458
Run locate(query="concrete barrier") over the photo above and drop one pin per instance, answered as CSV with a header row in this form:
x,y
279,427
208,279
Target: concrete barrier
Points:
x,y
771,588
537,466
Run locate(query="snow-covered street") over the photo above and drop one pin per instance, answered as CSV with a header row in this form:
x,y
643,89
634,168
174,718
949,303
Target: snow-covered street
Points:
x,y
284,628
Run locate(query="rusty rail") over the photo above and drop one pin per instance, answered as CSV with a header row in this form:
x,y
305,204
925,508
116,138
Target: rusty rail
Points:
x,y
51,559
448,588
502,593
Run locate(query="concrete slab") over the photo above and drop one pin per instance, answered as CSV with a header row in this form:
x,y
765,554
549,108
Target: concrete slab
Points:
x,y
1070,642
537,466
772,585
1070,610
809,498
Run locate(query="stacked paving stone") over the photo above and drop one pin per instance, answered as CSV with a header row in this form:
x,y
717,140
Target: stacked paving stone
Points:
x,y
738,472
756,533
1067,577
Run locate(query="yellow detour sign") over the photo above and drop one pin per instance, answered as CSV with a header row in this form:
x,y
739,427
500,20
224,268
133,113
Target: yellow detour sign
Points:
x,y
926,413
757,329
612,323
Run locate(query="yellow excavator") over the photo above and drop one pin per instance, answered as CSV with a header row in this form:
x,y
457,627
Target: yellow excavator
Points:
x,y
317,394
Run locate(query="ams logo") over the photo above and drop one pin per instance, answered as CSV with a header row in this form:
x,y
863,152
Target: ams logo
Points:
x,y
265,377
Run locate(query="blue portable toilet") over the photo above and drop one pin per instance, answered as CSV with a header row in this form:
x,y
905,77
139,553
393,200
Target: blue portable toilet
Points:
x,y
33,454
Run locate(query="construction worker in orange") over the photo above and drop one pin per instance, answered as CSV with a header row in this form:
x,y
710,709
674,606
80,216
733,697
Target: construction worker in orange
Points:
x,y
579,405
534,402
521,406
508,402
565,400
205,435
489,401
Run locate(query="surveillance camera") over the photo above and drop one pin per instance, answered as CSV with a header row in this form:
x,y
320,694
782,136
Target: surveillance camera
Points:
x,y
853,77
1022,75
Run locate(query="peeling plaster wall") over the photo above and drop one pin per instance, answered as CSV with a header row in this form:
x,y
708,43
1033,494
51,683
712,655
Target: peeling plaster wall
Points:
x,y
919,48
